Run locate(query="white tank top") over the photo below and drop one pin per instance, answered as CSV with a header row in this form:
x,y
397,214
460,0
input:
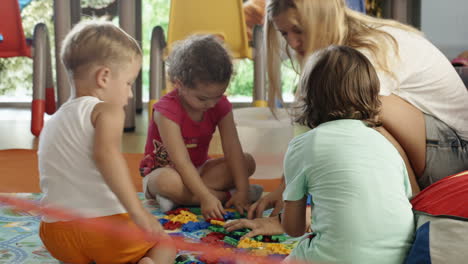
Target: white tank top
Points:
x,y
68,174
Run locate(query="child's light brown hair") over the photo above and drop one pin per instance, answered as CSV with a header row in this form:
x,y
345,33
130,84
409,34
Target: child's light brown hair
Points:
x,y
97,43
339,82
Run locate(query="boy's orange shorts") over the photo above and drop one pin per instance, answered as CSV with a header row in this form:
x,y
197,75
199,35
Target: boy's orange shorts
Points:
x,y
71,242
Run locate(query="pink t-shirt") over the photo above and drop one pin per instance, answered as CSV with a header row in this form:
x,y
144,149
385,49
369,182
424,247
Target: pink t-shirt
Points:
x,y
196,135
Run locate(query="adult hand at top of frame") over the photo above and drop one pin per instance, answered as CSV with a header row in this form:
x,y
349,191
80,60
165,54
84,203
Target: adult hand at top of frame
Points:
x,y
272,200
240,201
260,226
211,207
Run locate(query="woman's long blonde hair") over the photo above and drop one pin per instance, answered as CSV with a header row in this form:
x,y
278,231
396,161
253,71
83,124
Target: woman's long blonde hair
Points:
x,y
325,23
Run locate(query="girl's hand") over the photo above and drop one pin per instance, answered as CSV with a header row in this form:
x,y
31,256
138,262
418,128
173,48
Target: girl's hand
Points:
x,y
240,201
271,200
211,207
259,226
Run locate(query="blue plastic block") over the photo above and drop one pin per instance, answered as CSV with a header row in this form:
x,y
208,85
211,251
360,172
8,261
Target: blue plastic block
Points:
x,y
163,221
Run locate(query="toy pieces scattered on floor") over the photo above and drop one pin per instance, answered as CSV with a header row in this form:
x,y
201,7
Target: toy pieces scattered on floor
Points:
x,y
190,220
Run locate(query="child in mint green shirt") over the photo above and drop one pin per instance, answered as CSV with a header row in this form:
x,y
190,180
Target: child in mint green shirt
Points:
x,y
358,180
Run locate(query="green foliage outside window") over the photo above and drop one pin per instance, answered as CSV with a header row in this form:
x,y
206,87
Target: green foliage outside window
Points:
x,y
16,73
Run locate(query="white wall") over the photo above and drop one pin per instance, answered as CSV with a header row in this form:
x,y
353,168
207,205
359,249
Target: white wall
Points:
x,y
445,23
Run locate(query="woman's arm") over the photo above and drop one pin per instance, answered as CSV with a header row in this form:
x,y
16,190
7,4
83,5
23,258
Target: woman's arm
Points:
x,y
294,217
412,178
406,124
235,160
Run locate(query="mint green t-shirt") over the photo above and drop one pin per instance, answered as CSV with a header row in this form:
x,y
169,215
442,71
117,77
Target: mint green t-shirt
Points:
x,y
360,194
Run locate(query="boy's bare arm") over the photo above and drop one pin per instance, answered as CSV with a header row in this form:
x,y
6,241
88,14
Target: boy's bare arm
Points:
x,y
108,121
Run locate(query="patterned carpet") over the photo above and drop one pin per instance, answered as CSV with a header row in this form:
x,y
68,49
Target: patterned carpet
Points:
x,y
20,243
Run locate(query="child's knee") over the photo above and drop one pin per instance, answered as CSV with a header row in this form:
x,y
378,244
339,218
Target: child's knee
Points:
x,y
165,180
250,163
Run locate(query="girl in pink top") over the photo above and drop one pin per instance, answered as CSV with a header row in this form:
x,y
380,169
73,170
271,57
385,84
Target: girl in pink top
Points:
x,y
176,167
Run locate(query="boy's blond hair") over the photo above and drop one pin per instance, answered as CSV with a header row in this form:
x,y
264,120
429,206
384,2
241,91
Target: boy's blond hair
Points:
x,y
97,43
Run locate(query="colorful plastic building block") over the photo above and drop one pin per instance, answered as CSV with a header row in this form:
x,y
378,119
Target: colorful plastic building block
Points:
x,y
176,211
172,225
230,215
249,243
183,217
216,222
212,240
276,248
278,238
217,219
220,236
163,221
195,210
231,241
258,238
240,232
194,226
218,229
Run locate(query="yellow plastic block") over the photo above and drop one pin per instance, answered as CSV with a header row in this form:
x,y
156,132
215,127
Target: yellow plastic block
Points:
x,y
184,217
249,243
276,248
217,222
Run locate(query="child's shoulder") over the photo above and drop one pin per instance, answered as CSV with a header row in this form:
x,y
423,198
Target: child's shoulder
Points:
x,y
169,101
221,109
223,103
171,96
334,132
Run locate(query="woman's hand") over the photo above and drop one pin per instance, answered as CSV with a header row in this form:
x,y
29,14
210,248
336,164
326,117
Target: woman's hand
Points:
x,y
272,200
260,226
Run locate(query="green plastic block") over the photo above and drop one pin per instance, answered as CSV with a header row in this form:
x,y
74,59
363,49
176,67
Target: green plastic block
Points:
x,y
218,229
258,238
195,210
279,238
231,241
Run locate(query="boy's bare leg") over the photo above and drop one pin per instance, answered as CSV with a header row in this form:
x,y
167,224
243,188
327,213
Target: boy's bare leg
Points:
x,y
159,254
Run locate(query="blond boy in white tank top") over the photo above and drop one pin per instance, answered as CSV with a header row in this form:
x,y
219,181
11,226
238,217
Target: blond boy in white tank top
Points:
x,y
80,163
